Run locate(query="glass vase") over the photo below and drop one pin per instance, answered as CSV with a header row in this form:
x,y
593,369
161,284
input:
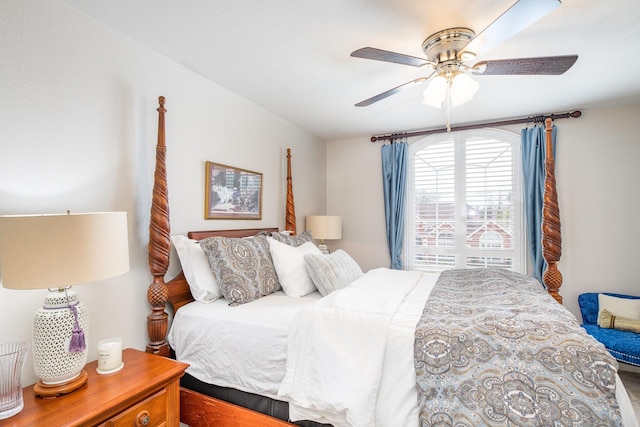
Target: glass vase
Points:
x,y
12,356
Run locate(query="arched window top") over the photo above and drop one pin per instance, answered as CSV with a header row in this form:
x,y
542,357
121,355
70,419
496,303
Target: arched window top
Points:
x,y
486,134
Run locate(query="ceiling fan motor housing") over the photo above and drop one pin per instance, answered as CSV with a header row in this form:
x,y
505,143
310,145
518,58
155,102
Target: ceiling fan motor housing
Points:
x,y
444,48
447,44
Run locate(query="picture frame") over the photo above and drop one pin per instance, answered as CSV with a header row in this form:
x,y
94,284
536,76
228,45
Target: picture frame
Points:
x,y
232,193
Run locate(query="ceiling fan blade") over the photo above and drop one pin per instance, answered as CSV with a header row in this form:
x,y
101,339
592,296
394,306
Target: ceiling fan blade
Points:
x,y
390,92
386,56
546,65
519,16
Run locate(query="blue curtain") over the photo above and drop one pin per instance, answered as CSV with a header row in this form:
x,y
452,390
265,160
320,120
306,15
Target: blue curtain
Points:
x,y
533,156
394,171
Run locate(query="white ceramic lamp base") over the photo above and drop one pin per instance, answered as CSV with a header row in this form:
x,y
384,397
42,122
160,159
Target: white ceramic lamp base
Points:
x,y
60,370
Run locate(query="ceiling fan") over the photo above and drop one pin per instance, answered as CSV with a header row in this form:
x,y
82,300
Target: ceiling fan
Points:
x,y
448,51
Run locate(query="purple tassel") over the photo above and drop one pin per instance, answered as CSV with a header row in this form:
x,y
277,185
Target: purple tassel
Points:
x,y
77,343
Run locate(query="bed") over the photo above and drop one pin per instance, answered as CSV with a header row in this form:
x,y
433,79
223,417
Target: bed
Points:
x,y
355,351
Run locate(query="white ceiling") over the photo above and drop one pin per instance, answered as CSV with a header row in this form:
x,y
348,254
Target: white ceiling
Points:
x,y
292,57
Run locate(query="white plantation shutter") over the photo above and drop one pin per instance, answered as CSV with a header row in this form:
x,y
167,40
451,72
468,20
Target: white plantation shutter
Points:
x,y
464,204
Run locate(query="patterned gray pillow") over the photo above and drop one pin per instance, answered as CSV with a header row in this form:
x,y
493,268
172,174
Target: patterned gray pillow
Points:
x,y
242,266
293,240
332,272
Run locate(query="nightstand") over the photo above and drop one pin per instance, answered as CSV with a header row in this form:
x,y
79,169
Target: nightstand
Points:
x,y
146,392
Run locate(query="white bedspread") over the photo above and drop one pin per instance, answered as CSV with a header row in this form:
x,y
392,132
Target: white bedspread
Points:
x,y
337,350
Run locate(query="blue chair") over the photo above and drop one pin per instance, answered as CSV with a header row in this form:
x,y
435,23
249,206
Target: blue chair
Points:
x,y
624,346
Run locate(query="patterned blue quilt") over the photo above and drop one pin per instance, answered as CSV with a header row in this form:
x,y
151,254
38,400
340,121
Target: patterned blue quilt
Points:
x,y
494,349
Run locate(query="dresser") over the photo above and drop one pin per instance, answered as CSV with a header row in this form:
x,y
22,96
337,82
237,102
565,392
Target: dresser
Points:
x,y
145,393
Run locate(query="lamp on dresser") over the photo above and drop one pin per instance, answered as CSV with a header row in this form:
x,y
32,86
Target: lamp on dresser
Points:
x,y
55,252
324,227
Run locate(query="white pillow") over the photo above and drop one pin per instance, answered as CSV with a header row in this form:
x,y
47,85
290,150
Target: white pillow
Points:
x,y
196,269
619,307
290,267
332,272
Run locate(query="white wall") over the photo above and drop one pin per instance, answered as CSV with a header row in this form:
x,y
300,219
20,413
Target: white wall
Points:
x,y
79,126
597,174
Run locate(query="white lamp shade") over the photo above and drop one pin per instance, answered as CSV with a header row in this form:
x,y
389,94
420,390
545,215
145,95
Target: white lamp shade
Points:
x,y
53,251
324,227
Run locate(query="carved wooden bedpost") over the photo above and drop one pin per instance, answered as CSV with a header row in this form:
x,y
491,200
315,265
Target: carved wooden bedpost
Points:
x,y
291,210
159,247
551,237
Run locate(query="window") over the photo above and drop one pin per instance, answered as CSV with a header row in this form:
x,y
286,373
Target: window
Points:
x,y
464,206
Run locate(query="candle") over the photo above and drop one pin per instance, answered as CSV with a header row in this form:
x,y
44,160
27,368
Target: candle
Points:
x,y
109,355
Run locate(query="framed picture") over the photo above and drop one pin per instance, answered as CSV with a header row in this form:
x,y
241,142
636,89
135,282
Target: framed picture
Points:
x,y
232,193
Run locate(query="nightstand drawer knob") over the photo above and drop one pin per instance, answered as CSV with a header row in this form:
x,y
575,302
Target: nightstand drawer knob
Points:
x,y
143,419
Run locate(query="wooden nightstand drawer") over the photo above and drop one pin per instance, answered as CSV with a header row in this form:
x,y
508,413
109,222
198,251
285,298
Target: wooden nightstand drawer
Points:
x,y
151,412
146,390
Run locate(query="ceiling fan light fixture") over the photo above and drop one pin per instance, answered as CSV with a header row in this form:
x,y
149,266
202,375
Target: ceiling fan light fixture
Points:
x,y
435,92
460,89
463,88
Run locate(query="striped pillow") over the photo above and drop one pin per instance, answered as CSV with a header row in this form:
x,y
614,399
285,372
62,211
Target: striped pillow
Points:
x,y
332,272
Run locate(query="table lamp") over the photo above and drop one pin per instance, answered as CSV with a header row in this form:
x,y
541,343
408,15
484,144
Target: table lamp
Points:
x,y
54,252
324,228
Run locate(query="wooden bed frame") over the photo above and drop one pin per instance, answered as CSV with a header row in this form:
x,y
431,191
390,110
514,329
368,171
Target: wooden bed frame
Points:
x,y
197,409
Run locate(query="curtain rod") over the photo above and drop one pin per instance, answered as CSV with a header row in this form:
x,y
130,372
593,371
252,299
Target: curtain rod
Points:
x,y
529,119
